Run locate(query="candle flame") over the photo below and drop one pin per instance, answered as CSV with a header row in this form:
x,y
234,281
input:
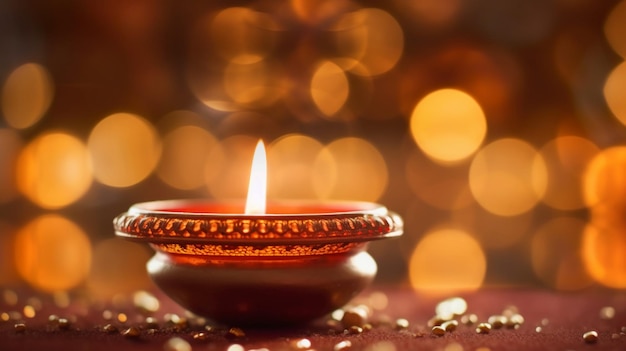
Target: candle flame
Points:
x,y
257,189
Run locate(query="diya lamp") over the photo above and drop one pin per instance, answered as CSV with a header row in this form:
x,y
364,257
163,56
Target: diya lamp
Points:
x,y
276,263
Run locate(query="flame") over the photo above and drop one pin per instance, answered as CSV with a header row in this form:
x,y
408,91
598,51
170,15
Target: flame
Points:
x,y
257,189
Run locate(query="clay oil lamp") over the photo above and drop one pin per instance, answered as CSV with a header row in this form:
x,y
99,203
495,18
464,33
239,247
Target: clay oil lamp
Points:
x,y
276,263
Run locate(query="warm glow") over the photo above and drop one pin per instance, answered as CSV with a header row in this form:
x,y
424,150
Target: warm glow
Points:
x,y
614,92
447,260
329,88
508,177
350,169
125,149
290,166
566,159
255,203
448,125
614,28
26,95
556,254
54,170
184,151
125,274
52,253
373,38
604,181
604,253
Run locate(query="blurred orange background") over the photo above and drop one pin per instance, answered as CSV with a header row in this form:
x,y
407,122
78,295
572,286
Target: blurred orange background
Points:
x,y
495,129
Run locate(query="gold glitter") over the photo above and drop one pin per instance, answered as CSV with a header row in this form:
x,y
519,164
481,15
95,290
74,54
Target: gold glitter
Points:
x,y
591,337
438,330
19,327
483,328
131,332
450,326
236,332
301,343
342,345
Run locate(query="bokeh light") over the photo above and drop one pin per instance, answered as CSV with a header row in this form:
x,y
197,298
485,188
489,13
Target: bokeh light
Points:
x,y
566,159
604,180
432,14
251,84
556,254
447,260
443,187
329,88
508,177
604,253
52,253
350,169
54,170
125,149
290,162
185,150
614,92
372,38
227,168
487,227
448,125
242,35
124,274
615,27
26,95
10,146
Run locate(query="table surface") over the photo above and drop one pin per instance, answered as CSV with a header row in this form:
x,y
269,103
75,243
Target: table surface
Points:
x,y
563,318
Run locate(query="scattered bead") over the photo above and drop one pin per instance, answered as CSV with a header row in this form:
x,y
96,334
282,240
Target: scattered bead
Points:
x,y
177,344
367,327
53,318
355,316
607,312
301,343
538,329
483,328
450,326
236,333
19,327
342,345
109,328
438,330
131,332
401,324
591,337
515,321
64,324
200,336
497,321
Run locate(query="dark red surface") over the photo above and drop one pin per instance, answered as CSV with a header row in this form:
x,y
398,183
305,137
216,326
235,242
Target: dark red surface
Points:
x,y
569,315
